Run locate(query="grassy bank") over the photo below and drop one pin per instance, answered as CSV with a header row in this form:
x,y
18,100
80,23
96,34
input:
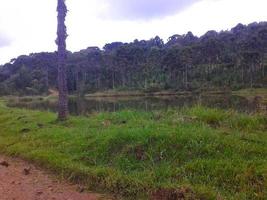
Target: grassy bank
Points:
x,y
140,93
194,153
251,93
114,93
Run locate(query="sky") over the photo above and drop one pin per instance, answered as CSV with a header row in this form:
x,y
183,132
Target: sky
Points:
x,y
29,26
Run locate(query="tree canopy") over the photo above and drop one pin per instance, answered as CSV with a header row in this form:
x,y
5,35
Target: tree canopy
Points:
x,y
233,59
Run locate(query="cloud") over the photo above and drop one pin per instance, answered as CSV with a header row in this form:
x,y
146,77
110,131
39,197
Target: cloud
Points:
x,y
145,9
96,22
4,40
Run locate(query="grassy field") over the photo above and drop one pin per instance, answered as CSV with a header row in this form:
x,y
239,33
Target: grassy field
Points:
x,y
194,153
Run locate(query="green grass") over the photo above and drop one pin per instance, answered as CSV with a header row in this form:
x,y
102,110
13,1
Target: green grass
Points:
x,y
199,152
251,93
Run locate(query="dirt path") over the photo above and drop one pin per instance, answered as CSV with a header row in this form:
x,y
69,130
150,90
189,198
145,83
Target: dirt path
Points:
x,y
20,180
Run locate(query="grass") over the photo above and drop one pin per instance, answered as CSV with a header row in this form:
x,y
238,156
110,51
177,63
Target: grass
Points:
x,y
251,93
144,93
136,93
196,153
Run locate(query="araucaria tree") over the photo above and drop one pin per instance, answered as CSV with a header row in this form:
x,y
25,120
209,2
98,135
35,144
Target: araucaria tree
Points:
x,y
62,54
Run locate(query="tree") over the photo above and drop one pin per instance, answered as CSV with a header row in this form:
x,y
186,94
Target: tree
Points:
x,y
62,77
186,59
234,58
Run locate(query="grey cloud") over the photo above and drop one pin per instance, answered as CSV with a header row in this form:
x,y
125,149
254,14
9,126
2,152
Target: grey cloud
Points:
x,y
146,9
4,40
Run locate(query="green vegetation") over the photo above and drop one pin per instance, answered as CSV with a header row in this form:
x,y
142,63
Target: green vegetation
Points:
x,y
232,59
196,152
252,93
114,93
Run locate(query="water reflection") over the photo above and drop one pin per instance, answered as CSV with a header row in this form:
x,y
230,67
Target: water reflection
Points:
x,y
85,106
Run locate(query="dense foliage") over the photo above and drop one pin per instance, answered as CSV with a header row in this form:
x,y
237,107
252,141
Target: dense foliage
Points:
x,y
233,59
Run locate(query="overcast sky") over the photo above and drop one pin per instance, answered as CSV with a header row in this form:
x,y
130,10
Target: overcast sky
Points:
x,y
28,26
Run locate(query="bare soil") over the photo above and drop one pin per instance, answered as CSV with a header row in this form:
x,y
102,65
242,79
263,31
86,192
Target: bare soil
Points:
x,y
20,180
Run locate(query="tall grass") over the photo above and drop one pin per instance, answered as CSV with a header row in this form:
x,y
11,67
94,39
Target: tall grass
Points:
x,y
199,153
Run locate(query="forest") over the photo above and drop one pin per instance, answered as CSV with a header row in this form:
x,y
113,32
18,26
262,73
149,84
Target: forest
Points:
x,y
231,59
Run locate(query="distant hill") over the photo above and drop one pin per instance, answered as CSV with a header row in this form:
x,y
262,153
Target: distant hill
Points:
x,y
234,59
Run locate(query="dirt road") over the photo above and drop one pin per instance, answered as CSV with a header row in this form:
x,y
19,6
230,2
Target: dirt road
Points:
x,y
20,180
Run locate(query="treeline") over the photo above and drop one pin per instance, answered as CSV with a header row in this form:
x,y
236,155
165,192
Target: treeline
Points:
x,y
234,59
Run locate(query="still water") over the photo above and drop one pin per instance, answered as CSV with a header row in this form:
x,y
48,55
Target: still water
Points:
x,y
86,106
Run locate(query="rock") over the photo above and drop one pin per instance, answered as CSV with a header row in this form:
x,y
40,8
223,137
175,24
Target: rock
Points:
x,y
4,163
39,193
27,171
80,189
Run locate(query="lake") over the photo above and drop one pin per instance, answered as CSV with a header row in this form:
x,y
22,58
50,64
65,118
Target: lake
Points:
x,y
87,106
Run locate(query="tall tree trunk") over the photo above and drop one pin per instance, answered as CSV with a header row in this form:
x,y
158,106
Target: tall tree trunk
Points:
x,y
99,80
242,74
47,79
251,75
113,80
263,70
77,80
186,77
62,77
263,64
123,76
